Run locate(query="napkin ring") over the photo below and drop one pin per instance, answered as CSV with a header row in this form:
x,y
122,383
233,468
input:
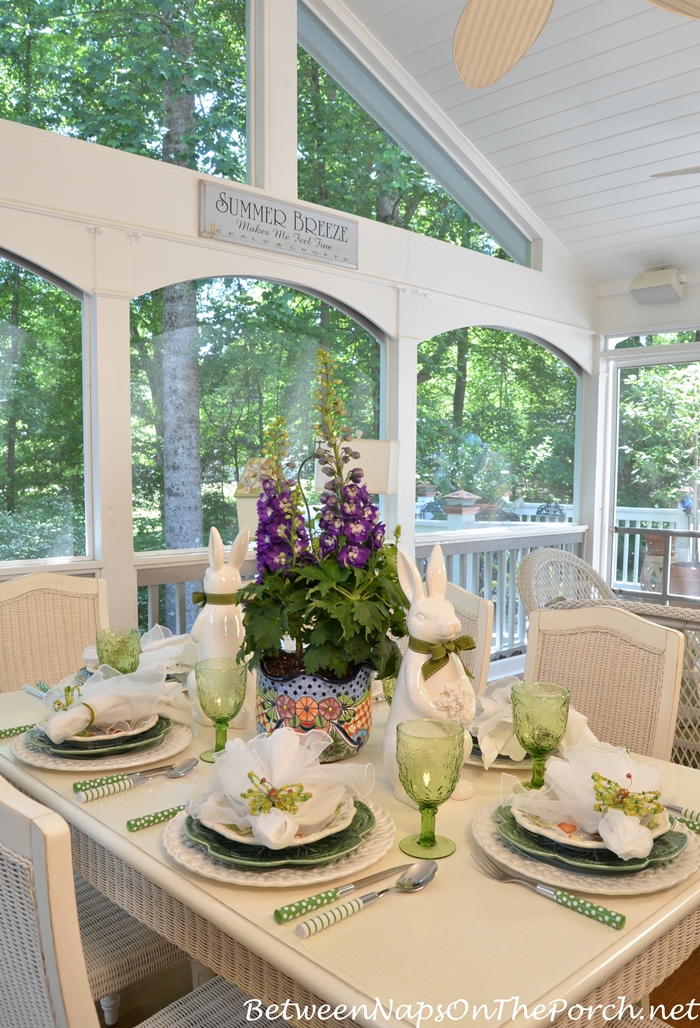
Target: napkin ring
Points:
x,y
92,716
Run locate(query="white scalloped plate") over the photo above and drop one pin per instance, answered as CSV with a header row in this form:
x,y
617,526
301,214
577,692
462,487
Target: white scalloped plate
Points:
x,y
653,879
177,739
376,845
339,820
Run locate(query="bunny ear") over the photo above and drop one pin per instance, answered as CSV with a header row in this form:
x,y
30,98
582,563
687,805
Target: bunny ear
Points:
x,y
239,548
436,576
216,550
409,578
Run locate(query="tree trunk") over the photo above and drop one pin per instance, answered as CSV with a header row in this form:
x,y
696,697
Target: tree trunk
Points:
x,y
181,446
11,458
462,339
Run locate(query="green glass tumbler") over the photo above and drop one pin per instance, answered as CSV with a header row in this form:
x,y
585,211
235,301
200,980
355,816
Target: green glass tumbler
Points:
x,y
221,685
120,648
430,754
540,712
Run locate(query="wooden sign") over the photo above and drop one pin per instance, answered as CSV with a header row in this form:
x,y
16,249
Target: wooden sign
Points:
x,y
239,216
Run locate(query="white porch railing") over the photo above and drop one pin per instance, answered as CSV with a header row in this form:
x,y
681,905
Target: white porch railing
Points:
x,y
484,560
628,550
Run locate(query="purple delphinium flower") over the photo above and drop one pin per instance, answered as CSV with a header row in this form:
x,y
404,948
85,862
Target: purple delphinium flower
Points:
x,y
353,556
378,536
277,544
357,530
328,543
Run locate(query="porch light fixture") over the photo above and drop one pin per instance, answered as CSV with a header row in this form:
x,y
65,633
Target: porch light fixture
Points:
x,y
665,286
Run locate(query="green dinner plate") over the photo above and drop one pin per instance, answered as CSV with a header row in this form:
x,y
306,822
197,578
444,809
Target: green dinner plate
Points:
x,y
260,858
100,748
588,862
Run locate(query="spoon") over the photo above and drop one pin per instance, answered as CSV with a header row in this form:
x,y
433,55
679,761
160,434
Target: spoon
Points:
x,y
416,877
183,768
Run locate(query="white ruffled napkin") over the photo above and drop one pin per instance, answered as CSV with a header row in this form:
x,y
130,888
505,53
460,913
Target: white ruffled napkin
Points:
x,y
568,796
493,725
115,698
160,648
285,759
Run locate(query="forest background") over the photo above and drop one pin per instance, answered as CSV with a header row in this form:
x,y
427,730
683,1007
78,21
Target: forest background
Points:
x,y
214,361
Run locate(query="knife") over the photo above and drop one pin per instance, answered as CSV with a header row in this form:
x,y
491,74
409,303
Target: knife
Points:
x,y
691,815
322,899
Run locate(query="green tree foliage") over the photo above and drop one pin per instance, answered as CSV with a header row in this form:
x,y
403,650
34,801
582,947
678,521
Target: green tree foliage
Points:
x,y
41,421
496,414
346,161
659,428
258,344
102,70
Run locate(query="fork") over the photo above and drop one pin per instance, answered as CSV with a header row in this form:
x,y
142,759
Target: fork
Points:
x,y
566,899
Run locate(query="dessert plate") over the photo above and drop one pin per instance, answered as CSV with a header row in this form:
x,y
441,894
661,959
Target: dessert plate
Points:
x,y
175,741
374,846
654,878
339,820
101,736
571,836
331,847
100,747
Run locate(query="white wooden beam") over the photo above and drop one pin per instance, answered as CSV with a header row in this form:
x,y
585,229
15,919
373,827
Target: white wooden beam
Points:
x,y
399,409
272,97
108,450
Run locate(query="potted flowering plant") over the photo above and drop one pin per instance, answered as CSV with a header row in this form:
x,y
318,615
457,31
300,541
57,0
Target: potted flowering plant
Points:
x,y
331,587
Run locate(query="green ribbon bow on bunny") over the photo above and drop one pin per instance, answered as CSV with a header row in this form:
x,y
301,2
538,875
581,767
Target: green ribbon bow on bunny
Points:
x,y
439,653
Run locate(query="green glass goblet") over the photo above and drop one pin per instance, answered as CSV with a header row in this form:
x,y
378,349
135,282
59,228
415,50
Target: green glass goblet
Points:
x,y
540,713
221,690
120,648
430,756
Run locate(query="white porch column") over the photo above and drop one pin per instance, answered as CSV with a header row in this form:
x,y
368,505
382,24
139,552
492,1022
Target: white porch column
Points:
x,y
593,474
400,411
272,96
108,444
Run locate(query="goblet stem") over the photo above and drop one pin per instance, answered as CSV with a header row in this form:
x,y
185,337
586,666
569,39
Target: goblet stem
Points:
x,y
537,780
220,735
427,826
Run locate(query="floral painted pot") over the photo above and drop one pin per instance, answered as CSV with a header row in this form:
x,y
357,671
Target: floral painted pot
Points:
x,y
343,708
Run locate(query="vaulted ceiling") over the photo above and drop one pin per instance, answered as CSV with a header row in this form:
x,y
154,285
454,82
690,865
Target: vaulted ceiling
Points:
x,y
608,96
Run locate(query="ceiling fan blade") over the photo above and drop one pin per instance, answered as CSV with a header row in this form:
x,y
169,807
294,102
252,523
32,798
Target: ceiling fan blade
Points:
x,y
688,8
492,36
679,171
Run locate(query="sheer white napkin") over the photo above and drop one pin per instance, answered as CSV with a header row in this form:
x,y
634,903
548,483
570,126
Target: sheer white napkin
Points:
x,y
112,698
493,725
626,793
159,647
276,786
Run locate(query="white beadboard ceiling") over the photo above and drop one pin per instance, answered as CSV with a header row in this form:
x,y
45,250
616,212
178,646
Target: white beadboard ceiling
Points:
x,y
608,96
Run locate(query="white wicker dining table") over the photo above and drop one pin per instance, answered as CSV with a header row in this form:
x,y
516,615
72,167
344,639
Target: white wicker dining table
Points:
x,y
464,940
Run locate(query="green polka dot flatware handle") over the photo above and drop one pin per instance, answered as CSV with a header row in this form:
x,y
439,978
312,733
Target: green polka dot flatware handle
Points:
x,y
137,823
329,917
97,792
583,906
305,906
7,733
98,783
692,823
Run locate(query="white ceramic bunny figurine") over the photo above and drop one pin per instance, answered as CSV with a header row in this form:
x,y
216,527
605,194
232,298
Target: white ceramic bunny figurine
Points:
x,y
218,628
447,694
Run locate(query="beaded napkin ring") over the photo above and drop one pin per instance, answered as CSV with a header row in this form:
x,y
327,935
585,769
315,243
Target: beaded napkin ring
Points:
x,y
137,823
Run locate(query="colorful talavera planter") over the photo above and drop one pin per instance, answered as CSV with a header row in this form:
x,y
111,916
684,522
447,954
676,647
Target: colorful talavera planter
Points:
x,y
343,708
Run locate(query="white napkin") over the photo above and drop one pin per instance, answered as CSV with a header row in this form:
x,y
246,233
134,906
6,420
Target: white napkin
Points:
x,y
159,647
493,725
285,759
569,796
114,697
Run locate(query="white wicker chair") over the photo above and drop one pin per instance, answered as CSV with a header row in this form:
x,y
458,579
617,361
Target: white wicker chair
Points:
x,y
44,981
46,621
623,672
476,617
547,576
